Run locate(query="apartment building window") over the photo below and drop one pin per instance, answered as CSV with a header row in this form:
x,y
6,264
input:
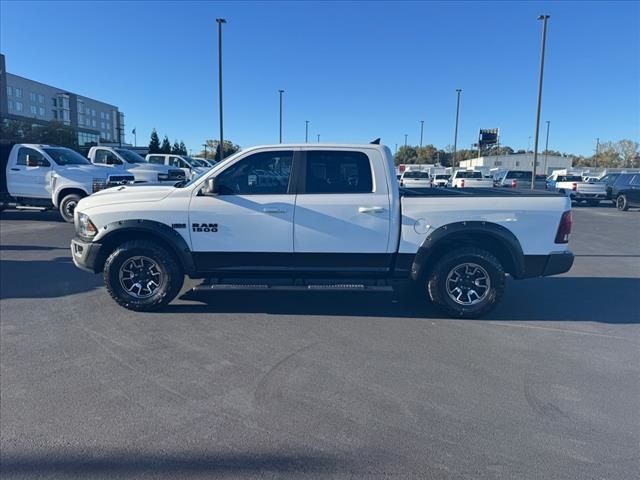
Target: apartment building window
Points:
x,y
93,122
80,107
10,105
33,109
102,125
32,97
19,106
65,115
41,99
18,92
102,115
9,90
55,102
65,102
41,111
80,119
93,114
55,114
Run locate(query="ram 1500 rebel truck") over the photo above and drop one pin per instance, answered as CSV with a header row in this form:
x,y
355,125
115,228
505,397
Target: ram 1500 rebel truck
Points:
x,y
317,218
42,177
469,179
123,160
573,186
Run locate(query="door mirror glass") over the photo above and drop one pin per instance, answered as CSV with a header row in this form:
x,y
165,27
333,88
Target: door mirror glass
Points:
x,y
210,187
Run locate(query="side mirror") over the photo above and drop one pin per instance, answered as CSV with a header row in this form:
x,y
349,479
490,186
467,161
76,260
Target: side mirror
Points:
x,y
210,188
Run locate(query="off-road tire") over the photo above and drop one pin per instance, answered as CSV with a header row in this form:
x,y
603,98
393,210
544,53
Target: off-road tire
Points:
x,y
67,206
172,275
436,282
622,203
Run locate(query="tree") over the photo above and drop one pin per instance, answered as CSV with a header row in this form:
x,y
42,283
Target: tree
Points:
x,y
406,154
166,145
52,133
212,146
154,142
176,148
183,148
628,151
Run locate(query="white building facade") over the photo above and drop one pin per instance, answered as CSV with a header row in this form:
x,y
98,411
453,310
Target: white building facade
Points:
x,y
520,161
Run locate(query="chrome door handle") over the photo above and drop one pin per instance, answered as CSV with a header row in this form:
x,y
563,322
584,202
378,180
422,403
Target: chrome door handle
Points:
x,y
370,210
273,210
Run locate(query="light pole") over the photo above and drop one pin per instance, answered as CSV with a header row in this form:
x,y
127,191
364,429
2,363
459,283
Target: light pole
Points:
x,y
318,138
546,149
455,135
597,150
220,21
280,92
405,140
205,150
306,131
421,131
544,19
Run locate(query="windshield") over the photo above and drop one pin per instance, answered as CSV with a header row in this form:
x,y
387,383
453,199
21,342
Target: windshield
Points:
x,y
197,163
129,156
468,174
416,175
442,177
520,175
66,156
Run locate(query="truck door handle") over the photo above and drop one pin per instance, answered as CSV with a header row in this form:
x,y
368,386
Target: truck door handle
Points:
x,y
273,210
15,169
370,210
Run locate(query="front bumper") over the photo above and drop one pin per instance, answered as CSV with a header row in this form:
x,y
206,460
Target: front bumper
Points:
x,y
86,255
546,265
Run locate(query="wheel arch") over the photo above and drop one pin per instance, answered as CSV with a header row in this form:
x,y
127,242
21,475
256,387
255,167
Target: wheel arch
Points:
x,y
63,192
116,233
488,236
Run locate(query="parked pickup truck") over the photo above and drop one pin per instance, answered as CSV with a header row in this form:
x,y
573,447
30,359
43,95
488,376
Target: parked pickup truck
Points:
x,y
123,160
42,177
192,167
319,217
575,188
469,179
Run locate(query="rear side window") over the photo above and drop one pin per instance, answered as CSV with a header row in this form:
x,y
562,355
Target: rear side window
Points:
x,y
520,175
635,180
156,159
338,172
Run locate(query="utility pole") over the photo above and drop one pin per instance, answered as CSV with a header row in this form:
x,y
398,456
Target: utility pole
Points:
x,y
421,131
318,138
597,150
280,92
405,141
544,19
220,21
546,149
306,131
205,150
455,135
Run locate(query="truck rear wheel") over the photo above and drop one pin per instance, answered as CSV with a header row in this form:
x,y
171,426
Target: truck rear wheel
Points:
x,y
68,206
466,283
142,276
621,203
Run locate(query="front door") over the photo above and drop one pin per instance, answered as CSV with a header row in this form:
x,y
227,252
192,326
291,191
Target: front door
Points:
x,y
248,226
342,216
31,176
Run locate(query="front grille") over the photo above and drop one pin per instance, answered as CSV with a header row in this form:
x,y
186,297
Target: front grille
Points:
x,y
98,184
120,180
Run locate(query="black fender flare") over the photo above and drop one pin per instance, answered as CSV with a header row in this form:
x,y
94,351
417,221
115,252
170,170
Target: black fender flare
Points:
x,y
503,236
156,229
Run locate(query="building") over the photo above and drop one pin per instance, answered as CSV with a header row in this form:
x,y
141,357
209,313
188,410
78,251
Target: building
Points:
x,y
519,161
28,100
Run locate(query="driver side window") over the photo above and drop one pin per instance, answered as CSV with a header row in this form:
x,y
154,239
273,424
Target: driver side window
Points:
x,y
33,156
105,157
265,173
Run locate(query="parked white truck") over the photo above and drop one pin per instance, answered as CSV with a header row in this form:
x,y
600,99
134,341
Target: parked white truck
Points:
x,y
42,177
123,160
573,186
192,167
319,217
469,179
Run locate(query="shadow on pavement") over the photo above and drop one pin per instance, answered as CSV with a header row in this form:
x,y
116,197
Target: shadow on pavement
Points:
x,y
571,299
26,248
158,466
44,278
24,215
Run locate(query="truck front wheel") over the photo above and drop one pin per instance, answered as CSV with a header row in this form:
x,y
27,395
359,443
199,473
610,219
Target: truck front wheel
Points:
x,y
142,276
68,206
466,283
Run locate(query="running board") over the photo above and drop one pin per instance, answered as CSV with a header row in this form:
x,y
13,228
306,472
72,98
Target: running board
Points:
x,y
26,207
338,287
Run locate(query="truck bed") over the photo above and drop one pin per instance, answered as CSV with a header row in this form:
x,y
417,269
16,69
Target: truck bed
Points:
x,y
475,192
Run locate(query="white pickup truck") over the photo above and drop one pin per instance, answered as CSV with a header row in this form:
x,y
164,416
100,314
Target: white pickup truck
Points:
x,y
469,179
319,217
192,167
576,188
123,160
42,177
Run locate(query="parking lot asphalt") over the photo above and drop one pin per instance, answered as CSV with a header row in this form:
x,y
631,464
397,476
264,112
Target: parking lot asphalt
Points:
x,y
259,385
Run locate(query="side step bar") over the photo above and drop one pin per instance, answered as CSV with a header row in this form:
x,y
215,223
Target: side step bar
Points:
x,y
291,286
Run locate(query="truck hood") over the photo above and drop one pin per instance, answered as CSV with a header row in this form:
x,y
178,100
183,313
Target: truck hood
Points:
x,y
126,194
85,171
150,167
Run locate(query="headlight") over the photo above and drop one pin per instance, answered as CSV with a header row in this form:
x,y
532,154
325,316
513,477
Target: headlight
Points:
x,y
85,227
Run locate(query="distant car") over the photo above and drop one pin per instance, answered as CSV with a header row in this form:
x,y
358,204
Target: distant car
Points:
x,y
441,179
573,186
192,167
608,180
415,179
469,178
626,191
512,179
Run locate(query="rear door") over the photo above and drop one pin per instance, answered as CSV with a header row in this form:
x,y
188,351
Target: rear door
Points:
x,y
342,213
634,190
30,177
248,226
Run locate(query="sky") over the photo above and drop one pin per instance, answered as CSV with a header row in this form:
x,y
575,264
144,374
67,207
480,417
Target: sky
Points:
x,y
355,70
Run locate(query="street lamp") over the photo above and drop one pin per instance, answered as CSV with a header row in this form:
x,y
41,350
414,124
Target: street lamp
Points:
x,y
318,138
280,92
205,150
405,141
544,19
220,21
306,131
546,149
455,135
421,131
